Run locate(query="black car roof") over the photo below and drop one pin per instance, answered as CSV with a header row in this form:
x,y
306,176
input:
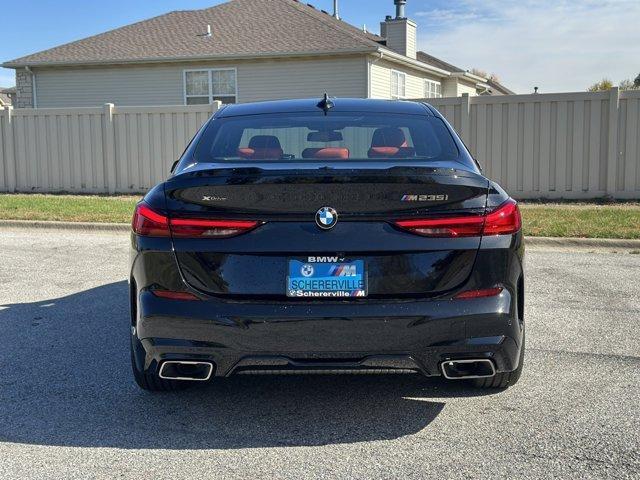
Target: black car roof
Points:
x,y
340,105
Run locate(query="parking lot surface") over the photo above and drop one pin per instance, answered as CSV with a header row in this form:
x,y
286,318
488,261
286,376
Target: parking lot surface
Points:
x,y
69,408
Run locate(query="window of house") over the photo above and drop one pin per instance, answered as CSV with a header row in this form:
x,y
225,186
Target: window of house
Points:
x,y
432,89
204,86
398,85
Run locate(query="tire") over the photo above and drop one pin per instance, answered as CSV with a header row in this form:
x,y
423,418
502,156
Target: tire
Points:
x,y
152,382
502,380
147,381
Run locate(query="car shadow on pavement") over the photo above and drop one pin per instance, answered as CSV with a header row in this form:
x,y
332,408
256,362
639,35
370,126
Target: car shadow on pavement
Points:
x,y
65,380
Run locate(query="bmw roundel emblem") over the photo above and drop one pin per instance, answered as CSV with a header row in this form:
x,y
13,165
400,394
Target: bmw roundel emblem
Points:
x,y
326,218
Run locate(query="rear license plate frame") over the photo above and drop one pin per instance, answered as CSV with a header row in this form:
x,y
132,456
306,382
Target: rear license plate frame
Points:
x,y
334,278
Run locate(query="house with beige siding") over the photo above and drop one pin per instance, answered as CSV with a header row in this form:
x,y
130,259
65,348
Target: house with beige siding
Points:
x,y
240,51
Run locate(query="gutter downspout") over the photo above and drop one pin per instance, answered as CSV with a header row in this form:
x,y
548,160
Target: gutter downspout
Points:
x,y
369,77
486,89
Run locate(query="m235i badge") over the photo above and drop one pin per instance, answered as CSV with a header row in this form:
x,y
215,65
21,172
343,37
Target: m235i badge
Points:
x,y
425,198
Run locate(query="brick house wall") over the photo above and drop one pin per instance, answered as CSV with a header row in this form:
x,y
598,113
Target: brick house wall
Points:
x,y
24,89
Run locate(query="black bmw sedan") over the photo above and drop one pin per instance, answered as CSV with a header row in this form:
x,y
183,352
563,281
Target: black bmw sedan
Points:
x,y
328,236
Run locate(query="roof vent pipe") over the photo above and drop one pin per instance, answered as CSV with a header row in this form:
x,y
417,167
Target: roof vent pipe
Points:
x,y
208,34
400,8
336,13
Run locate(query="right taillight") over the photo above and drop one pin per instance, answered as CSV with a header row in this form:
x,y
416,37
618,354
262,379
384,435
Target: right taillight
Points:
x,y
149,223
502,221
450,227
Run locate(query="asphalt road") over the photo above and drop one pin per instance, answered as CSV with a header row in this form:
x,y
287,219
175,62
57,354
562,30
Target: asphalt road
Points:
x,y
69,408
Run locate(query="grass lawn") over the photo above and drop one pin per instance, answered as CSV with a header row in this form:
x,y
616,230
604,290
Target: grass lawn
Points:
x,y
591,220
68,208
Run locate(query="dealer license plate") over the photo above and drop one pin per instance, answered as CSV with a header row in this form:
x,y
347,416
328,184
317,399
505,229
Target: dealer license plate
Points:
x,y
326,279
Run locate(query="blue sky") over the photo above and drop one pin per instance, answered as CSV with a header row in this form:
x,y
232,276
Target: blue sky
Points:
x,y
562,45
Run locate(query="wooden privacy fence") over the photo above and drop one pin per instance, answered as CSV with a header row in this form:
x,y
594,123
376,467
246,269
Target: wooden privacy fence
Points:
x,y
94,150
566,145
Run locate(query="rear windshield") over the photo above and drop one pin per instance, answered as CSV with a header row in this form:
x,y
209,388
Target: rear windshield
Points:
x,y
314,137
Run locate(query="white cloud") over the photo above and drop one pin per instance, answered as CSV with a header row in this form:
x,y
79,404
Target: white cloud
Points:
x,y
446,15
557,46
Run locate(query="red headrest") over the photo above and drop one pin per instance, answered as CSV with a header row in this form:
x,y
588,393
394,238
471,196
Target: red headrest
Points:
x,y
327,152
395,152
262,147
388,137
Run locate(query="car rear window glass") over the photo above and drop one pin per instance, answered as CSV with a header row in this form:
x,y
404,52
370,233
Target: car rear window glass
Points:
x,y
316,137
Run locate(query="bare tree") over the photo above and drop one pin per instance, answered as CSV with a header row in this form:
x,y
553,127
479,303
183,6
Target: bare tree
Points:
x,y
484,74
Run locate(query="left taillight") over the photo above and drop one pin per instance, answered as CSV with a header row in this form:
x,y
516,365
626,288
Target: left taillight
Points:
x,y
201,228
149,223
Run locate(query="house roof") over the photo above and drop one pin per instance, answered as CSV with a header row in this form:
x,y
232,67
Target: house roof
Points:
x,y
239,28
499,87
436,62
4,95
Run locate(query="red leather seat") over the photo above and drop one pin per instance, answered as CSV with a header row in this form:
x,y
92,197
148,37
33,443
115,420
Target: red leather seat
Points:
x,y
262,147
327,152
390,142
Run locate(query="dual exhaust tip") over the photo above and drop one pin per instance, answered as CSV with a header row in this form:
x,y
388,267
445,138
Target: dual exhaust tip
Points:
x,y
468,369
186,370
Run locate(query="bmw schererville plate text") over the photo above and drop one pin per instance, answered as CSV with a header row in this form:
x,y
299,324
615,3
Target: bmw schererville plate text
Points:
x,y
331,236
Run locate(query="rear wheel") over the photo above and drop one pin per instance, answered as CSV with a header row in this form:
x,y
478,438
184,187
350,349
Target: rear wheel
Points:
x,y
502,380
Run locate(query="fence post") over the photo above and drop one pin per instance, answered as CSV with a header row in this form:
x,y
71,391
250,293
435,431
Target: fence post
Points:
x,y
215,106
9,151
465,118
612,152
108,147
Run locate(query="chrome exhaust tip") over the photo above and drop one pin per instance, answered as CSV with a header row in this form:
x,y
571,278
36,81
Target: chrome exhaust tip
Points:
x,y
186,370
468,368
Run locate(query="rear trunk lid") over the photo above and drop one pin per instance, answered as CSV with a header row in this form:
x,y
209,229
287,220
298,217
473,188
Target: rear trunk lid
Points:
x,y
367,198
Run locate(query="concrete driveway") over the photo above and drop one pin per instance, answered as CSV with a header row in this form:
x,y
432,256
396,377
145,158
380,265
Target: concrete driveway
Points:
x,y
69,407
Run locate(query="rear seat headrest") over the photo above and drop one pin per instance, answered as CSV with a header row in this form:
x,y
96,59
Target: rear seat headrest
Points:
x,y
326,152
262,147
392,152
264,141
389,137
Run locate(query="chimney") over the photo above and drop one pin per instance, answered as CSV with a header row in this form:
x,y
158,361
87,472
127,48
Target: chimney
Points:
x,y
336,13
400,32
400,8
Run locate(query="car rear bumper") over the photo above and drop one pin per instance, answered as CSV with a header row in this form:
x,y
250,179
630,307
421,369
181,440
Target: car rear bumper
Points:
x,y
322,337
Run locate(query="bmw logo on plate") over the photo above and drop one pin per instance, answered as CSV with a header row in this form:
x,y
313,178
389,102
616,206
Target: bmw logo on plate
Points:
x,y
326,218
